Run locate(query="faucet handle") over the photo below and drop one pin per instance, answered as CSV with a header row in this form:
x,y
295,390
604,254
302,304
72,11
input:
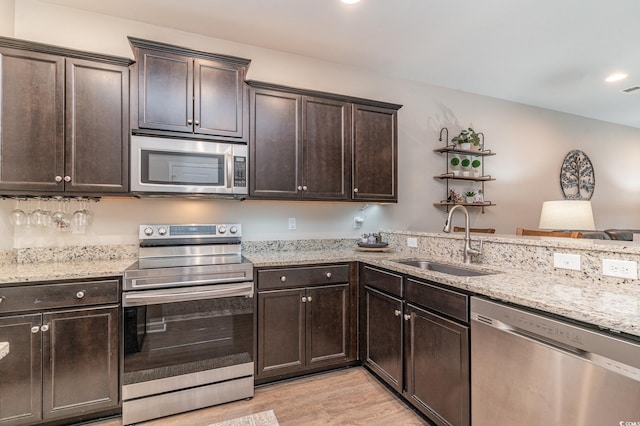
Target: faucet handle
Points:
x,y
478,251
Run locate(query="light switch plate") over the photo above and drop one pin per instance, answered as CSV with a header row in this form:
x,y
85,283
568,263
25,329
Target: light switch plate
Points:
x,y
412,242
566,261
620,268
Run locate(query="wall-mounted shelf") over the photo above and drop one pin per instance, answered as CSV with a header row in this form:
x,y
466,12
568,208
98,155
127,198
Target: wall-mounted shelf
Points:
x,y
453,150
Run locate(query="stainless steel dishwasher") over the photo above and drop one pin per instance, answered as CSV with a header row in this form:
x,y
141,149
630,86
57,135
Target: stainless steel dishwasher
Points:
x,y
530,369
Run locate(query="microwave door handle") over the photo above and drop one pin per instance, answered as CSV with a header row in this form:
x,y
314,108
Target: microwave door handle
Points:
x,y
229,168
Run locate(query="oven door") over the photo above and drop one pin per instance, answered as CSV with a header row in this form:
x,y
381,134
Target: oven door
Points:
x,y
185,337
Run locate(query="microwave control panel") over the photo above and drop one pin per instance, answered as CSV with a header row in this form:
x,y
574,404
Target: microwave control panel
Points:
x,y
239,171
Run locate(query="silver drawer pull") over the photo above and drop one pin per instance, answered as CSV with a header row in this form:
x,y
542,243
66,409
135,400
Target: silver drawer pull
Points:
x,y
309,299
304,299
397,313
328,274
407,317
283,278
80,294
44,328
35,329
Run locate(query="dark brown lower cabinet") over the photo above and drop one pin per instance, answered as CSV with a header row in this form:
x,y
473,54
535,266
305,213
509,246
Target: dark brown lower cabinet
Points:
x,y
416,339
308,327
437,367
63,363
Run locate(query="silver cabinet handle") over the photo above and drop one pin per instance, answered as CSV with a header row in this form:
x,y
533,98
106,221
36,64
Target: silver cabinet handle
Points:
x,y
309,299
58,178
299,187
304,299
283,278
44,328
328,274
197,122
80,294
397,313
35,329
1,299
355,189
189,121
407,317
67,178
304,187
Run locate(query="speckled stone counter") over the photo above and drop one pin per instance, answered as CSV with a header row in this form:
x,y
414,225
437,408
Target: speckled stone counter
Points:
x,y
612,304
48,264
4,349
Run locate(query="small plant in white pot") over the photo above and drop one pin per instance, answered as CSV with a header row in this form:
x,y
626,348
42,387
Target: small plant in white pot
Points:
x,y
466,139
475,166
470,196
465,163
455,165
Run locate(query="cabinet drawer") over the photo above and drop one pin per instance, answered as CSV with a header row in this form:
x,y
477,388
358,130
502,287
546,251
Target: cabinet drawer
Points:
x,y
48,296
382,280
447,302
302,276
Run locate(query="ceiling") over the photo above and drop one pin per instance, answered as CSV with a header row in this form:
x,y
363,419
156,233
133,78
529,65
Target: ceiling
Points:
x,y
553,54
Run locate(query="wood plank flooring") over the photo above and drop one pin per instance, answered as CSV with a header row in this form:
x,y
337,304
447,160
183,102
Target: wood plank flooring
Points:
x,y
343,397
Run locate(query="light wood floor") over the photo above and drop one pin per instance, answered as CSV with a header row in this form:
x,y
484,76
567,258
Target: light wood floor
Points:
x,y
344,397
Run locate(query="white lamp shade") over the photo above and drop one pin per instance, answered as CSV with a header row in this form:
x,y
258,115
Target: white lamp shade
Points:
x,y
566,215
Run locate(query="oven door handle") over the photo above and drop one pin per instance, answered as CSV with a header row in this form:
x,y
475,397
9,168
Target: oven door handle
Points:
x,y
155,297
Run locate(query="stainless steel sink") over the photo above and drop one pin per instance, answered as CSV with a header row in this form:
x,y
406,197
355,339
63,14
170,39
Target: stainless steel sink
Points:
x,y
444,268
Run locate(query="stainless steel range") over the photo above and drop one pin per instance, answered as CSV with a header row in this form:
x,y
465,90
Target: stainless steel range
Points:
x,y
188,321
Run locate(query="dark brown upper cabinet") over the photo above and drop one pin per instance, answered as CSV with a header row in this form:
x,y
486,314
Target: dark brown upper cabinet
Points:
x,y
299,146
184,92
375,153
64,121
303,146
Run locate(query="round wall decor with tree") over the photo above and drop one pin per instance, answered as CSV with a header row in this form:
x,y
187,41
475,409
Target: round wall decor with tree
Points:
x,y
577,177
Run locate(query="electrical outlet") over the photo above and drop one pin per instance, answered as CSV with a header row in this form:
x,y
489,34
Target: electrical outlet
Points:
x,y
357,222
566,261
292,223
620,268
412,242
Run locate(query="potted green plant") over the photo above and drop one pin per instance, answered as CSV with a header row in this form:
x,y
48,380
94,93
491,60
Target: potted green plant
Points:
x,y
465,163
470,196
475,165
466,139
455,165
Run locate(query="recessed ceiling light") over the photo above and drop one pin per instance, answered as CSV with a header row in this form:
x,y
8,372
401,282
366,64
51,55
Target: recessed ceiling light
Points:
x,y
350,1
616,77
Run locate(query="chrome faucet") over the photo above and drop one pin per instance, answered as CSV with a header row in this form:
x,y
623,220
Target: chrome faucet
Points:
x,y
468,251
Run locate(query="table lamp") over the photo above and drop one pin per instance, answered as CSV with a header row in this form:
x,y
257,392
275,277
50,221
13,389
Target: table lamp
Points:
x,y
567,215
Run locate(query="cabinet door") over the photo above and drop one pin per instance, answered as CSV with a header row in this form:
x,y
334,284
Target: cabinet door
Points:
x,y
375,154
80,361
438,368
275,156
218,98
328,329
21,371
165,91
383,342
281,332
97,127
31,121
326,139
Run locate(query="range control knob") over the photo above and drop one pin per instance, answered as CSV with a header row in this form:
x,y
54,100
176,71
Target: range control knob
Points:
x,y
148,231
233,229
222,229
162,231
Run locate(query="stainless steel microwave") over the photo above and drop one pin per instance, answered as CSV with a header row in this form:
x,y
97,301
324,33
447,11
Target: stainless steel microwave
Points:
x,y
165,166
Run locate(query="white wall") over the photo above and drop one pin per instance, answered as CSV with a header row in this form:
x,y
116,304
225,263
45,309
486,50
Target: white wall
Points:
x,y
530,144
7,11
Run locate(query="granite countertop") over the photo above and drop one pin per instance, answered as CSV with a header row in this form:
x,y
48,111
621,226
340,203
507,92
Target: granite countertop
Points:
x,y
4,349
48,271
609,306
